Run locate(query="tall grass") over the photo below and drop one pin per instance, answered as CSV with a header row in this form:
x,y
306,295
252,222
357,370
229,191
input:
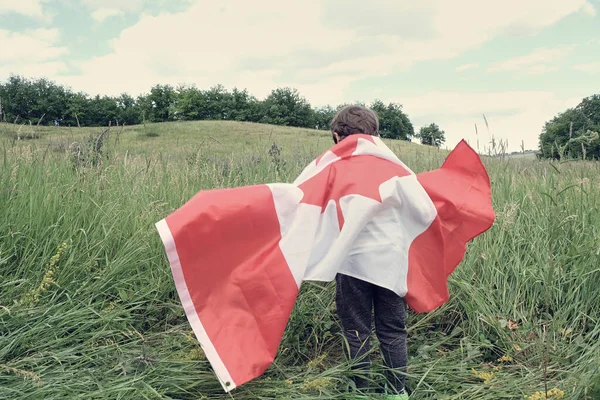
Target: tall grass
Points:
x,y
88,308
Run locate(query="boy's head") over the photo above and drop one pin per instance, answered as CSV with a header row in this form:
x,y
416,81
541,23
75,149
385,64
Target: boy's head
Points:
x,y
351,120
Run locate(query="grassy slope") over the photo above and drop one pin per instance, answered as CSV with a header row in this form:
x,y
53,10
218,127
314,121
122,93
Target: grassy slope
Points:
x,y
176,137
102,319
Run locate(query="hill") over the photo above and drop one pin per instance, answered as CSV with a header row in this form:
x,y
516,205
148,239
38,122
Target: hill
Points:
x,y
231,135
218,138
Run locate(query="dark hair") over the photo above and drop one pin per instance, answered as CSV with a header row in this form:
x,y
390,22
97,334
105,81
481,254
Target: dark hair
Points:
x,y
354,119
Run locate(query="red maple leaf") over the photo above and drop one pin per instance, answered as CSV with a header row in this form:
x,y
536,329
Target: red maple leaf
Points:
x,y
360,174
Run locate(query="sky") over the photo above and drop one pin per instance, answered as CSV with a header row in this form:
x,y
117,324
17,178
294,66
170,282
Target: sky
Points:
x,y
519,63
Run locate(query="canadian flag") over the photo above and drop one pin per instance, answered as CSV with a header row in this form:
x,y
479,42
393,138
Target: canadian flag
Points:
x,y
238,256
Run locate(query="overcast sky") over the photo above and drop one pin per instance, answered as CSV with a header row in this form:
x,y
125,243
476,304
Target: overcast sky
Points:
x,y
449,62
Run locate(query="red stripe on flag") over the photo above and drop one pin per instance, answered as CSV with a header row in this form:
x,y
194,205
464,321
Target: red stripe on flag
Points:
x,y
461,193
240,284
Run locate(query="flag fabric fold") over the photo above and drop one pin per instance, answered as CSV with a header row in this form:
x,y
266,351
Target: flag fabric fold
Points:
x,y
239,256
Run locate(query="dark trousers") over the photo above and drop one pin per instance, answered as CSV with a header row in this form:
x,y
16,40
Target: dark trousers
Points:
x,y
355,301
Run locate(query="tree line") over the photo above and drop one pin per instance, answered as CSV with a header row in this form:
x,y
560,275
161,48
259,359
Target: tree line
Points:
x,y
574,133
45,102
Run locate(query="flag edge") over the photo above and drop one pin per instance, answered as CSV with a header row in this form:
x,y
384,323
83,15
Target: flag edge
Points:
x,y
193,318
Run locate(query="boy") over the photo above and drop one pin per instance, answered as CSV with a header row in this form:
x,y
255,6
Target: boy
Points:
x,y
356,298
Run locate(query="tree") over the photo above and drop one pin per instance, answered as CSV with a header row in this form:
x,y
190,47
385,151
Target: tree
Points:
x,y
243,106
37,101
323,117
77,106
190,104
101,111
50,101
573,133
43,101
285,106
162,98
218,103
128,111
431,135
19,97
393,122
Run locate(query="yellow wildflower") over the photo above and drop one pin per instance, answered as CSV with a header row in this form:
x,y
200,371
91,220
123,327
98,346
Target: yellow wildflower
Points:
x,y
47,280
194,354
554,394
505,358
109,307
191,338
197,353
517,347
317,362
32,297
56,257
567,332
316,384
485,376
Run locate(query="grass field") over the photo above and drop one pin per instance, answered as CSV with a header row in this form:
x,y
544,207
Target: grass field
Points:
x,y
88,308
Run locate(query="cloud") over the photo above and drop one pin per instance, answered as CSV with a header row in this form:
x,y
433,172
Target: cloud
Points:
x,y
31,53
593,67
115,5
102,14
539,61
589,9
28,8
466,67
515,116
262,44
30,46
